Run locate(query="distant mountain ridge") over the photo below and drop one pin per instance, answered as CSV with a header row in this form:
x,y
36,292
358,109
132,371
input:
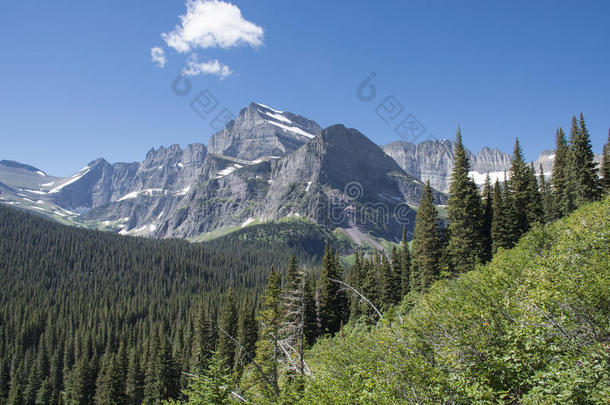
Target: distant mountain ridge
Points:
x,y
265,165
433,161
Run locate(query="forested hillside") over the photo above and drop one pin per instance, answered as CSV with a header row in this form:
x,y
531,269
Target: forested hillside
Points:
x,y
530,327
69,295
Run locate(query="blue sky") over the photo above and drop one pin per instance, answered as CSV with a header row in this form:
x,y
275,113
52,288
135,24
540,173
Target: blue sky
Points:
x,y
78,82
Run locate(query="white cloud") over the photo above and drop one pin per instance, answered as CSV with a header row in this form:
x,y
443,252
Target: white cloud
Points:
x,y
212,23
158,56
213,67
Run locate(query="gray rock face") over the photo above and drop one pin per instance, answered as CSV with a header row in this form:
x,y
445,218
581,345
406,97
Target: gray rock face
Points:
x,y
340,178
121,196
261,131
434,160
140,195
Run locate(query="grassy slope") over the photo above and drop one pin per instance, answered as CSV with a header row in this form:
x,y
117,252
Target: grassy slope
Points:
x,y
530,327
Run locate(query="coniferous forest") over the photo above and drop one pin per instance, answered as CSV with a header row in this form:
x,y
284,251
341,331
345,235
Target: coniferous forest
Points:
x,y
504,300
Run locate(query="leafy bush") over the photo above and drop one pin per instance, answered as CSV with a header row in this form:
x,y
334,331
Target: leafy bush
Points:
x,y
530,327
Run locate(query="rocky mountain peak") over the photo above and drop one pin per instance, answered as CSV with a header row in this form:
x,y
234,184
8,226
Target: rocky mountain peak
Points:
x,y
260,131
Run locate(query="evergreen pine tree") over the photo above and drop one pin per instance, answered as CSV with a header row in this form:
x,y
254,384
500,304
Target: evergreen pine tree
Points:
x,y
247,335
15,393
293,320
464,215
500,234
535,209
405,264
605,167
205,339
111,385
292,276
559,179
45,392
267,348
56,374
425,252
228,322
332,299
583,166
77,389
520,195
153,386
134,382
31,389
548,200
212,386
370,286
570,198
169,373
355,280
391,279
5,379
487,219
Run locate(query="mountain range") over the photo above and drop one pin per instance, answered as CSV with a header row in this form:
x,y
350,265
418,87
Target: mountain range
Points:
x,y
266,165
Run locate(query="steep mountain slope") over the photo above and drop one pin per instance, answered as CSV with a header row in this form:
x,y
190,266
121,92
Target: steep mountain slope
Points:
x,y
531,327
261,131
340,178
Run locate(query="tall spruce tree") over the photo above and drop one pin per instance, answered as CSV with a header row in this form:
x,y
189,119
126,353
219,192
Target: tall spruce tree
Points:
x,y
520,195
228,323
134,384
355,280
500,228
548,202
169,372
247,335
332,298
370,286
391,280
267,348
111,383
535,209
605,168
204,339
5,379
405,264
583,169
464,215
487,220
425,252
561,190
570,198
292,329
213,386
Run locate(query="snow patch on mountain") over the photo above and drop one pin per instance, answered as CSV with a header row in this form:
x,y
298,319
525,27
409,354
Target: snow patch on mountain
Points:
x,y
76,177
296,130
269,108
228,170
479,178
